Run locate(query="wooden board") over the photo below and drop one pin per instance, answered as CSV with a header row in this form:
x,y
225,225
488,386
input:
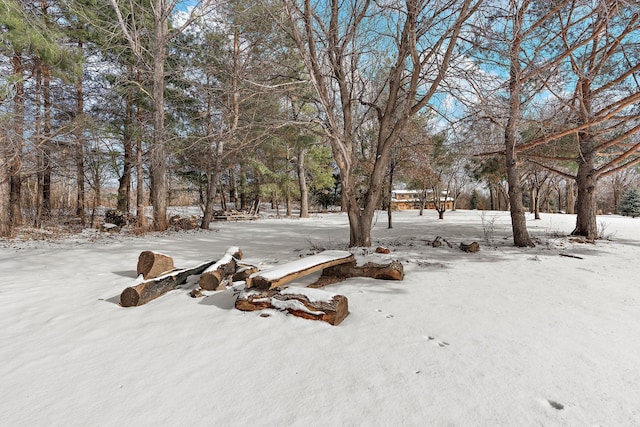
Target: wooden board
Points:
x,y
285,273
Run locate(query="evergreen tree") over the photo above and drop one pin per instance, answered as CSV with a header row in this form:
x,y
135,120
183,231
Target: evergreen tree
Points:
x,y
474,200
630,204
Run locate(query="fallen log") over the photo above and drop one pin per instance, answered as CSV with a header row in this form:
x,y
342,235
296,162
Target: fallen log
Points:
x,y
214,275
142,292
278,276
391,271
243,271
472,247
313,304
153,264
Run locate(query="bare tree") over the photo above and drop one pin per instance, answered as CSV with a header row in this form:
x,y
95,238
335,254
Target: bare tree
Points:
x,y
600,114
154,60
407,46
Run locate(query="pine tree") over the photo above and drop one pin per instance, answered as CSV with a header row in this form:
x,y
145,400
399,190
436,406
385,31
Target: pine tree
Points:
x,y
630,204
474,200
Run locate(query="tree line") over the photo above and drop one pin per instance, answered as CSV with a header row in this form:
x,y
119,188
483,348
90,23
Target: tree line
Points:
x,y
281,99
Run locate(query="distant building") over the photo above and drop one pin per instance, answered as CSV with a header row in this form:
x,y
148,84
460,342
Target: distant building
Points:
x,y
410,199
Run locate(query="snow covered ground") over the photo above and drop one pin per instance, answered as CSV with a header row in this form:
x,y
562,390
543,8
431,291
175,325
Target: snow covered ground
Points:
x,y
506,336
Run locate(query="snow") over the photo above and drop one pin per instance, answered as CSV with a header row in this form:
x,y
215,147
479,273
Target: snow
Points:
x,y
505,336
312,294
288,304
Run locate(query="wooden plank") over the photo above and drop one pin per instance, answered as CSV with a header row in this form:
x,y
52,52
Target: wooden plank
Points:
x,y
280,275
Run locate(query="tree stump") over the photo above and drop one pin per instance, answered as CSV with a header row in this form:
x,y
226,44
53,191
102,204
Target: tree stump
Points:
x,y
153,264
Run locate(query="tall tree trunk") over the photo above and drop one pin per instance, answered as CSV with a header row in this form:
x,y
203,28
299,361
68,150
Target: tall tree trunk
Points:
x,y
158,153
243,188
5,188
302,183
213,173
560,201
44,177
43,131
233,192
16,145
532,208
140,216
38,141
587,176
536,203
124,184
570,197
79,152
518,219
392,167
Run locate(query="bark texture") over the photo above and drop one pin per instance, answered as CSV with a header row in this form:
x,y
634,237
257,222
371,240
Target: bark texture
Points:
x,y
333,309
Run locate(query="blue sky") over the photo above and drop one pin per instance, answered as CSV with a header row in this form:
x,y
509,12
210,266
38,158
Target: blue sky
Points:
x,y
184,4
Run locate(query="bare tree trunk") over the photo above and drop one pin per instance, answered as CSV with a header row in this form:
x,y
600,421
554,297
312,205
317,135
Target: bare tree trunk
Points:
x,y
79,152
5,189
587,176
302,182
14,155
243,188
158,153
532,208
38,141
560,201
213,174
392,167
140,216
518,219
46,169
124,184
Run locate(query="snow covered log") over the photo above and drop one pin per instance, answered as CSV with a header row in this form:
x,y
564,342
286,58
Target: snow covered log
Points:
x,y
285,273
391,271
153,264
243,271
146,290
313,304
214,275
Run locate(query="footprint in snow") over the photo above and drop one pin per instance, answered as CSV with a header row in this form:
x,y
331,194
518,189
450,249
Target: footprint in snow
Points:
x,y
436,341
555,405
388,316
